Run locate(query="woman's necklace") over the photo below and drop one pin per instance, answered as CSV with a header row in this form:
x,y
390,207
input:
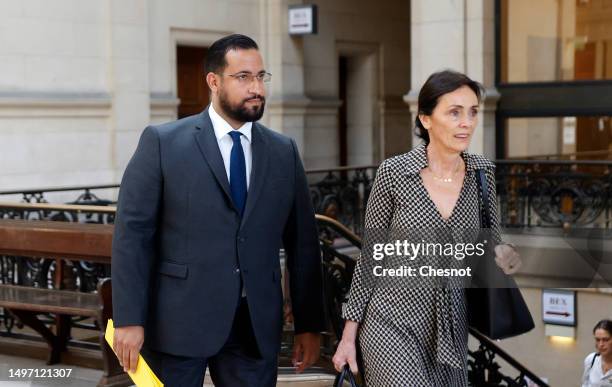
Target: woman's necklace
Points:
x,y
446,179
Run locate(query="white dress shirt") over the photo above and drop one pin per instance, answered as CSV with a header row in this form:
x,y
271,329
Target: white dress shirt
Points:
x,y
593,375
222,130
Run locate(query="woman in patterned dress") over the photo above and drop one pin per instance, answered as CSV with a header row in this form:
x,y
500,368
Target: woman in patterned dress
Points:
x,y
417,336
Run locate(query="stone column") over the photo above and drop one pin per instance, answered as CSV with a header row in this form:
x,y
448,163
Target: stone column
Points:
x,y
128,77
480,65
457,35
283,57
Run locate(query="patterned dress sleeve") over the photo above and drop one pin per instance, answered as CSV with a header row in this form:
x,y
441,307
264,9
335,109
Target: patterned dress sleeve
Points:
x,y
379,212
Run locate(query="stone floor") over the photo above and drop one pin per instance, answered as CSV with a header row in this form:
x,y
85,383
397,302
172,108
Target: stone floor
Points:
x,y
79,376
83,377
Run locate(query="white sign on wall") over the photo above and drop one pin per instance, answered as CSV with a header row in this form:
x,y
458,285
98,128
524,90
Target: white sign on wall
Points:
x,y
559,307
303,19
569,130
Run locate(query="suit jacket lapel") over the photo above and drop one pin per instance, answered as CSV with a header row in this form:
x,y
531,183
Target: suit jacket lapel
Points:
x,y
258,169
206,140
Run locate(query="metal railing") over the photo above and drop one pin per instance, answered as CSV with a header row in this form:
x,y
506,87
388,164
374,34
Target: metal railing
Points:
x,y
530,193
584,155
543,193
559,193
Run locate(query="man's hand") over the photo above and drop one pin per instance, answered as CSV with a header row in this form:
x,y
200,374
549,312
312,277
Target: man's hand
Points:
x,y
306,349
126,344
507,258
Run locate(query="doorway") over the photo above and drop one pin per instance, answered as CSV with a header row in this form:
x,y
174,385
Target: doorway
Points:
x,y
192,89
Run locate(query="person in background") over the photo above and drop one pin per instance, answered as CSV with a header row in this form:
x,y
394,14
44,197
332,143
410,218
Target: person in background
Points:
x,y
598,365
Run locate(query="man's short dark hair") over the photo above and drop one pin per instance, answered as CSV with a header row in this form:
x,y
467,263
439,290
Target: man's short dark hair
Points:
x,y
215,58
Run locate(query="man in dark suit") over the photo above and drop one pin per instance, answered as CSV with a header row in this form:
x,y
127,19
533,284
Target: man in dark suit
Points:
x,y
204,206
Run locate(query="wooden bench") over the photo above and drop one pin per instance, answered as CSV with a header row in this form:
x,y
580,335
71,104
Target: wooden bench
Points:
x,y
26,303
59,240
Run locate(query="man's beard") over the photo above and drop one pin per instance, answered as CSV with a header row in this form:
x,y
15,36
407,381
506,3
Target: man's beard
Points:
x,y
242,113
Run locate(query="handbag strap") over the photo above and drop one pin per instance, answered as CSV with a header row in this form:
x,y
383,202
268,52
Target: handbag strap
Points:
x,y
483,190
593,361
346,374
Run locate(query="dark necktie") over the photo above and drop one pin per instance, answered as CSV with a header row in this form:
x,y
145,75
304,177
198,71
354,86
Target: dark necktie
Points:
x,y
238,185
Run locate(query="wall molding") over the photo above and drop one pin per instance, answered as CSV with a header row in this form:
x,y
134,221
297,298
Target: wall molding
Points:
x,y
55,104
163,106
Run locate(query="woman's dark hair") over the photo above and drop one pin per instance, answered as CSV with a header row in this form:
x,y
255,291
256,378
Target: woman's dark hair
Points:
x,y
437,85
215,58
605,324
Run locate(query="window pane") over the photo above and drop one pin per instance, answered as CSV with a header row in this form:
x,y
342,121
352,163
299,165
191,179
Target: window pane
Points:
x,y
556,40
582,138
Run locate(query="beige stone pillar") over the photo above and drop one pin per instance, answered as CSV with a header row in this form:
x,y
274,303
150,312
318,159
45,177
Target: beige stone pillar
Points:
x,y
457,35
283,57
128,77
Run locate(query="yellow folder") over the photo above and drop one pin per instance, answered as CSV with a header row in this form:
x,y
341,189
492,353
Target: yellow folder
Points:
x,y
144,376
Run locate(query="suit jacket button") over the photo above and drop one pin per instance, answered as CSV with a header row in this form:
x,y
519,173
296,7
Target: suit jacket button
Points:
x,y
237,270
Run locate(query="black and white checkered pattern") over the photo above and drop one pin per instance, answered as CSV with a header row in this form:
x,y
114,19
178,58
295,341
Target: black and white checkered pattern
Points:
x,y
416,336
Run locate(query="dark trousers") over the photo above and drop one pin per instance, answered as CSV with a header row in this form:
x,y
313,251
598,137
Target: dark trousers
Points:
x,y
237,364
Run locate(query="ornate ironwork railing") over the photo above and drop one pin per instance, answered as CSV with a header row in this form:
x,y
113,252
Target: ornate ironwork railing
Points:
x,y
584,155
483,369
544,193
342,193
58,212
531,193
84,194
559,193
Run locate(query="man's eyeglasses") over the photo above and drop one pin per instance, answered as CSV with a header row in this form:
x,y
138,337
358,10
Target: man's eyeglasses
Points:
x,y
247,78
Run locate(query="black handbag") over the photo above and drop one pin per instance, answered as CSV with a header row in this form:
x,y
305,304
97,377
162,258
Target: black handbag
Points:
x,y
497,311
345,375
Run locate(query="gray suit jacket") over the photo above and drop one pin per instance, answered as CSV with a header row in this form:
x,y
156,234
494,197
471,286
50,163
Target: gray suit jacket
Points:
x,y
180,246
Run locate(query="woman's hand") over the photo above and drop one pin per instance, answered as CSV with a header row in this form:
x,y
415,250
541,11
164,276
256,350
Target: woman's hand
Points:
x,y
346,352
507,258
